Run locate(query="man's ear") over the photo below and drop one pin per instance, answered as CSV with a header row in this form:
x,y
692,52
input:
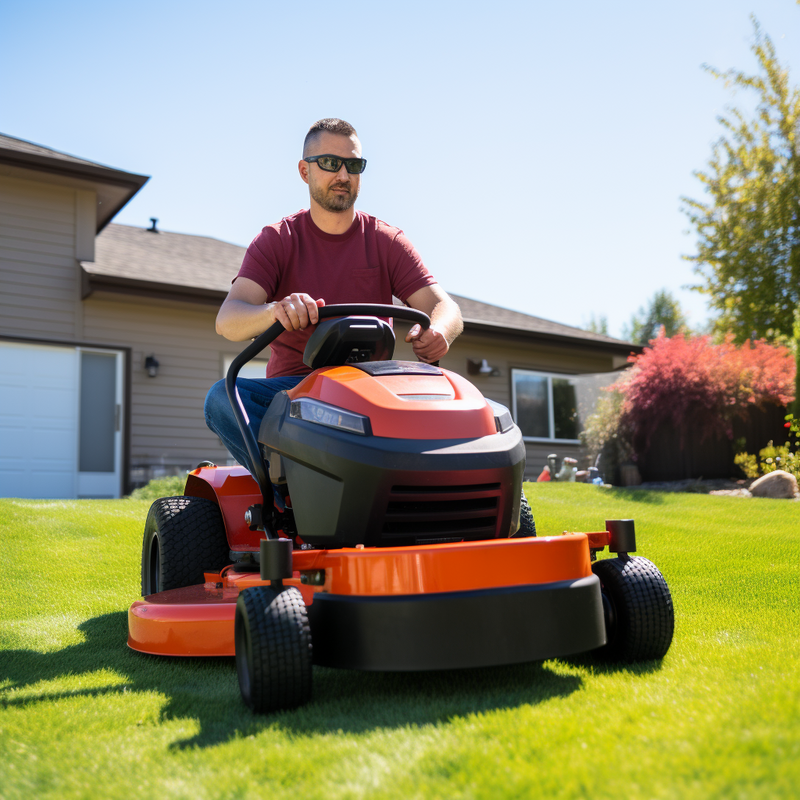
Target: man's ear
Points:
x,y
303,168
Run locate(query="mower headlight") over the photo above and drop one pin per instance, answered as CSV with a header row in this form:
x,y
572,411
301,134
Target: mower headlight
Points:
x,y
502,416
330,416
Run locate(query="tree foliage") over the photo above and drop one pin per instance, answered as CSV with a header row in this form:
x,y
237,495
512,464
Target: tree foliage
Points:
x,y
598,325
663,311
748,248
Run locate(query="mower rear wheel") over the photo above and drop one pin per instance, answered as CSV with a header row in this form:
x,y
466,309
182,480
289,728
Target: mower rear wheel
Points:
x,y
183,537
273,649
527,526
637,605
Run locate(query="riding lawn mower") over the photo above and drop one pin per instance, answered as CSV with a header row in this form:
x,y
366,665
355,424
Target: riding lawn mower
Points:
x,y
383,528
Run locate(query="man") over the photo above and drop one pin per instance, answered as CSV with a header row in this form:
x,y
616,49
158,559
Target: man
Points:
x,y
330,253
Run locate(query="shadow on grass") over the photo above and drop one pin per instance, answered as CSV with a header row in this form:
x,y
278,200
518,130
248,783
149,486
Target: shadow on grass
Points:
x,y
597,666
207,690
184,682
637,495
356,702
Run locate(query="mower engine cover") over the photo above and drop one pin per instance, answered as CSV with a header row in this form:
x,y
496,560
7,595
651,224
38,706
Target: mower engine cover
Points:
x,y
390,453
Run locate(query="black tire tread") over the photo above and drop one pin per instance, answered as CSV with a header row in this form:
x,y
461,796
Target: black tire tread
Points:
x,y
645,617
527,525
191,537
280,648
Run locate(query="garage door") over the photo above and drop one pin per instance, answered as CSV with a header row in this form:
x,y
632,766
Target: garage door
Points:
x,y
60,421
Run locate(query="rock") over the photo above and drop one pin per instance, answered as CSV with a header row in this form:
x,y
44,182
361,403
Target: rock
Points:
x,y
778,484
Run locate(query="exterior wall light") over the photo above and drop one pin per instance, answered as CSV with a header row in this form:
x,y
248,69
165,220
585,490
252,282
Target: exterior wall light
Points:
x,y
151,365
481,367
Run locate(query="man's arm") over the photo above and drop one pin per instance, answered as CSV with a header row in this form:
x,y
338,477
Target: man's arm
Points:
x,y
446,323
245,312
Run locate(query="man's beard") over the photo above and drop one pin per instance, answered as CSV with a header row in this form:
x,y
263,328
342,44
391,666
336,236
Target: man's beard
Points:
x,y
334,202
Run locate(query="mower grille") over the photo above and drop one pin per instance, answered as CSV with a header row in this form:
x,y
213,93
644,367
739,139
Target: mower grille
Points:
x,y
429,514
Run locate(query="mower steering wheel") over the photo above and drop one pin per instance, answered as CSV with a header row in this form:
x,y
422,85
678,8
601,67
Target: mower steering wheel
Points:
x,y
269,336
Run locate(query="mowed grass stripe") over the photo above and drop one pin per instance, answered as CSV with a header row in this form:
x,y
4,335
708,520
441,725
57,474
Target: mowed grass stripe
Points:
x,y
82,716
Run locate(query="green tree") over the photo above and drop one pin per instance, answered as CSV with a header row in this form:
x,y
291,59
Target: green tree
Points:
x,y
663,310
748,247
598,325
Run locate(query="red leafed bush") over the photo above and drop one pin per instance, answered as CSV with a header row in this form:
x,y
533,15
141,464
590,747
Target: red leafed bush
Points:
x,y
688,383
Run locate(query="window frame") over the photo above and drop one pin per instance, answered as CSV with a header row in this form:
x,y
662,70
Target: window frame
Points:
x,y
255,368
550,409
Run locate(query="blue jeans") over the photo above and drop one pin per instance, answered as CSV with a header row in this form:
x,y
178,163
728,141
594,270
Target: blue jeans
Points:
x,y
256,395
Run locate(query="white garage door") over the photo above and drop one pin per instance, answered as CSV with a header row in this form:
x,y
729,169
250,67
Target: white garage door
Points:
x,y
60,421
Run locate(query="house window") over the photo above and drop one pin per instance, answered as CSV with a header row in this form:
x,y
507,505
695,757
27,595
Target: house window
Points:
x,y
545,405
257,368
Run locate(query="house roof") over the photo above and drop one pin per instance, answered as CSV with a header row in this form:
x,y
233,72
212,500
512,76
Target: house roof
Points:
x,y
504,320
22,159
185,266
173,263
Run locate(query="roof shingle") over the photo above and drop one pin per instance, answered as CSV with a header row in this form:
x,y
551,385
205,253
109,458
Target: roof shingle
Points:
x,y
30,148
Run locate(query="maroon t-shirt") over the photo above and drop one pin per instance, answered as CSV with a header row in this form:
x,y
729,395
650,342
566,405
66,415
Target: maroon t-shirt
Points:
x,y
368,264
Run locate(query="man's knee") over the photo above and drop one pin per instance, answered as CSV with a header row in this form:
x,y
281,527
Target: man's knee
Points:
x,y
216,403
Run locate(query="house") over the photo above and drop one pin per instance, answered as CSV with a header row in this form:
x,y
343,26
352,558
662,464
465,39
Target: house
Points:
x,y
107,341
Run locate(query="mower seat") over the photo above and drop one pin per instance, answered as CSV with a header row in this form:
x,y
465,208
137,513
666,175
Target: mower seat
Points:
x,y
344,340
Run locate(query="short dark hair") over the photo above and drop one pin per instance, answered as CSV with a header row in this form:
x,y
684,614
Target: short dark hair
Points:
x,y
328,125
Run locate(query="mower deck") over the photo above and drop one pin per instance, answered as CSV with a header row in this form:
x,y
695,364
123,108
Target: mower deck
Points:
x,y
440,606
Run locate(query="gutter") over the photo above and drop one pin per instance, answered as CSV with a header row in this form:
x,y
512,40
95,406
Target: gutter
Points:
x,y
93,282
478,326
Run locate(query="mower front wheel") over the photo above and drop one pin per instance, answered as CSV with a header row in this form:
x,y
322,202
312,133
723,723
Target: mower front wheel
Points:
x,y
273,649
527,526
637,606
183,537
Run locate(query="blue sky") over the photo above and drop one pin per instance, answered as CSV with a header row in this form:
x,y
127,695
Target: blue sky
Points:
x,y
535,153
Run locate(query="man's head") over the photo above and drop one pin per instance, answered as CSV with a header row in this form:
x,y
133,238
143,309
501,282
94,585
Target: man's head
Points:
x,y
334,191
338,127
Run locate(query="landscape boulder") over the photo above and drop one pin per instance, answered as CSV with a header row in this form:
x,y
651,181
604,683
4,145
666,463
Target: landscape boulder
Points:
x,y
778,484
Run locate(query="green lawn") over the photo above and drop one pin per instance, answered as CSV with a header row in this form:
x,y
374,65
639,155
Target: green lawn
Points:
x,y
83,716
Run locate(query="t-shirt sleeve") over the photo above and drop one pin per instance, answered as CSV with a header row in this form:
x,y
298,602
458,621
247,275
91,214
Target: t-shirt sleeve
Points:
x,y
262,260
407,273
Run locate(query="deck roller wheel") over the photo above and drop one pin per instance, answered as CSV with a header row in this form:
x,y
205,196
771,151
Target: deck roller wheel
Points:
x,y
273,649
638,610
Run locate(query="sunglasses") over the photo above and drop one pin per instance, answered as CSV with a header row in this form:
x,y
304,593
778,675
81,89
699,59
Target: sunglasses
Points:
x,y
329,163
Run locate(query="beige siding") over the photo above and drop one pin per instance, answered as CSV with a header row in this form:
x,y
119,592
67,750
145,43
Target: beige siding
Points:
x,y
168,430
39,289
167,425
505,357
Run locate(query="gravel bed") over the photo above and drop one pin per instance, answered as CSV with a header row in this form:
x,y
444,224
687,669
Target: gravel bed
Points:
x,y
720,486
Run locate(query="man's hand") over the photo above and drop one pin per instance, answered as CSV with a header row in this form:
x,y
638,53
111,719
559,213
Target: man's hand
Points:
x,y
296,311
429,345
246,312
446,323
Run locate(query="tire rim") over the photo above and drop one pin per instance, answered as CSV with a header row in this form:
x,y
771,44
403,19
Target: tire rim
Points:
x,y
609,617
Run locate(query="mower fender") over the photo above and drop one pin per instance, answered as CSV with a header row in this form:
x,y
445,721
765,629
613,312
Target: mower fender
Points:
x,y
234,490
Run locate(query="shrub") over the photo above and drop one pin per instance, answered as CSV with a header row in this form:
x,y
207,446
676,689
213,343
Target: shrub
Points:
x,y
770,458
604,435
171,486
689,383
